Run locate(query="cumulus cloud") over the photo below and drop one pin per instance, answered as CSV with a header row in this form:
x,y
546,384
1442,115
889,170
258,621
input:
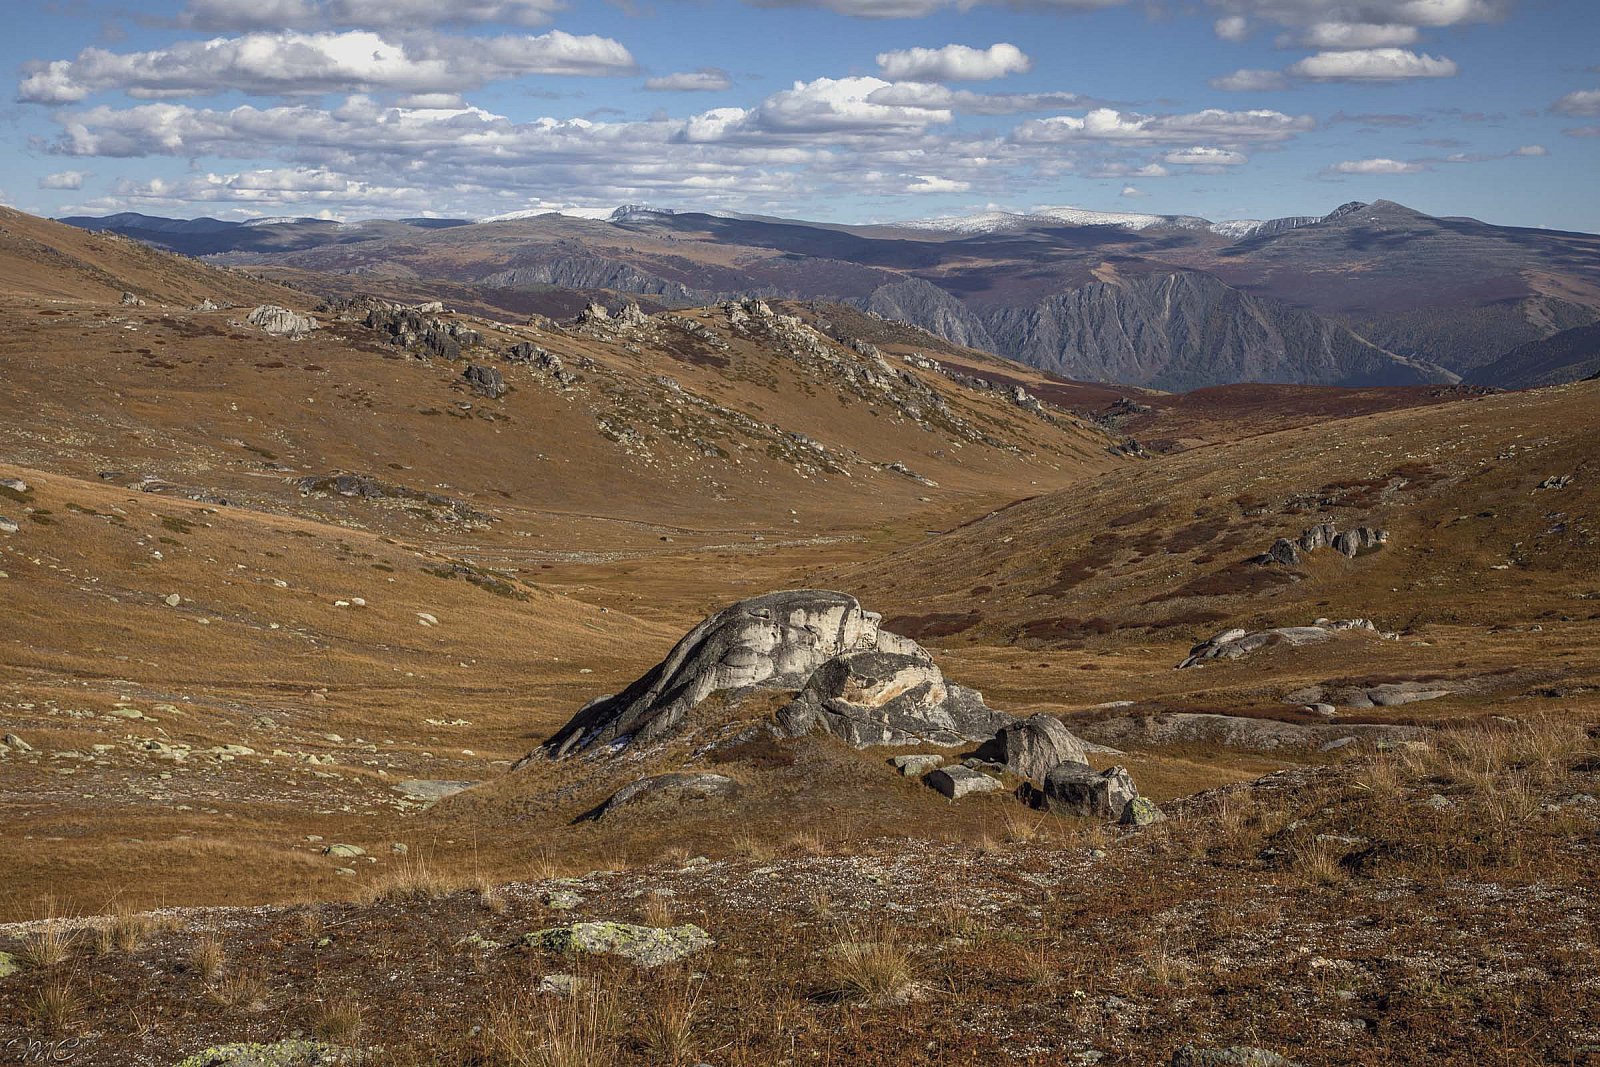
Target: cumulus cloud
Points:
x,y
65,179
1230,28
1376,167
913,9
291,62
1580,104
954,62
928,183
836,105
1533,150
1225,127
706,79
1133,192
1250,81
1342,35
234,15
1205,156
1426,14
940,97
1372,64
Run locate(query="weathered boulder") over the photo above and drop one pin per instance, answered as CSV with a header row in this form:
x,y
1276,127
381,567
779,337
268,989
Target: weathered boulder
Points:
x,y
1233,731
8,525
888,698
1361,539
1079,789
959,781
886,690
918,764
593,313
677,787
281,321
648,946
1317,537
485,381
16,485
1233,643
1038,743
132,300
631,317
1283,553
1142,811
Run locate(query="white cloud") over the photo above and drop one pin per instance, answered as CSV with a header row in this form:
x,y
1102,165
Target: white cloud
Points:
x,y
1533,150
1426,14
913,9
1226,127
1376,167
940,97
1342,35
66,179
954,62
1204,156
1231,28
234,15
839,105
1583,103
292,63
1372,64
928,183
1250,81
1133,192
706,79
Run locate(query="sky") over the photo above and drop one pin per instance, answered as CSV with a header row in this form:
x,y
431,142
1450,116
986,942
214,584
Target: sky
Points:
x,y
833,110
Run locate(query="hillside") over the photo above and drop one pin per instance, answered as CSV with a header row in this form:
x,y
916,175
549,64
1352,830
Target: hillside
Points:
x,y
1568,356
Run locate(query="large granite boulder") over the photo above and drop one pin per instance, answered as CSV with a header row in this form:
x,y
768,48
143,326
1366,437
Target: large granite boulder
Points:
x,y
1035,745
281,321
889,698
1079,789
851,677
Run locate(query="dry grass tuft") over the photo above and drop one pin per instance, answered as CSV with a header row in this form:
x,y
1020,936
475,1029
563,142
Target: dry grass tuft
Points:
x,y
872,970
55,1006
338,1019
1019,827
807,843
240,989
578,1030
665,1033
124,930
1319,863
491,896
659,911
48,946
751,847
209,955
411,879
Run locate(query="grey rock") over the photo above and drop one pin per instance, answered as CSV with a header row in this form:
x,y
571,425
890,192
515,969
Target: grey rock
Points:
x,y
780,641
8,525
915,766
16,485
1233,731
1079,789
430,788
1317,537
292,1053
1229,1056
676,788
561,985
14,742
281,322
485,381
1283,553
959,781
1362,539
1556,481
132,300
1233,643
1338,742
888,698
344,851
1038,743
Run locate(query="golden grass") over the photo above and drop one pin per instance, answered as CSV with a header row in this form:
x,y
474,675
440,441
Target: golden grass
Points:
x,y
576,1030
665,1031
55,1006
208,955
1319,864
338,1018
49,946
873,970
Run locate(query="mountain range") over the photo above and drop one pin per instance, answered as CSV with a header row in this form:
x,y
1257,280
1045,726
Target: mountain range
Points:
x,y
1369,294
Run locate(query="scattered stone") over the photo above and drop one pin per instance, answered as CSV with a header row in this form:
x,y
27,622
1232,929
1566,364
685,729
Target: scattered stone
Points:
x,y
280,321
133,300
1079,789
561,985
677,788
8,525
562,900
1556,481
960,781
915,766
172,600
1142,811
292,1053
1362,539
1230,1056
344,851
1038,743
648,946
17,743
430,789
16,485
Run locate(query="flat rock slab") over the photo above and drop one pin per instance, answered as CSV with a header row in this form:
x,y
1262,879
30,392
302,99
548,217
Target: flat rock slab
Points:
x,y
276,1054
1230,1056
648,946
957,782
430,788
916,765
678,786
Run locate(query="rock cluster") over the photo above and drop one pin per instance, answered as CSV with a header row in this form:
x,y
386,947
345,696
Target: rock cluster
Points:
x,y
485,381
132,300
541,359
418,328
1286,552
281,322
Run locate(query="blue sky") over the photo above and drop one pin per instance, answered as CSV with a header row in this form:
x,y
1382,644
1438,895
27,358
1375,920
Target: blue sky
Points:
x,y
846,110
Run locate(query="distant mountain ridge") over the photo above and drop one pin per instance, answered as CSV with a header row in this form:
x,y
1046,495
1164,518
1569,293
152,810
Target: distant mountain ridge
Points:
x,y
1370,293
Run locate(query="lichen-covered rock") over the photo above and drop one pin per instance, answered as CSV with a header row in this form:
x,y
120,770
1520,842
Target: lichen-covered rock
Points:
x,y
1229,1056
676,787
1038,743
961,781
295,1053
1079,789
917,764
1142,811
648,946
280,321
8,965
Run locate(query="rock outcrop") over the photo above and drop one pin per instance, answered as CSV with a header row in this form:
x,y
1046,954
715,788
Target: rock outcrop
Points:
x,y
1235,731
677,787
850,676
485,381
1286,553
1036,745
648,946
1079,789
417,328
1231,644
281,322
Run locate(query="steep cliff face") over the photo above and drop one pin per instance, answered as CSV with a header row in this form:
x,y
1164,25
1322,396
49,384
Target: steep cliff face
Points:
x,y
1185,330
924,304
594,272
